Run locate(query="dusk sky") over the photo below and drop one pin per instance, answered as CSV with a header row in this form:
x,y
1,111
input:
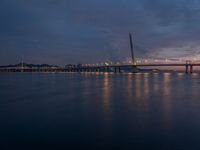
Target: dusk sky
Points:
x,y
88,31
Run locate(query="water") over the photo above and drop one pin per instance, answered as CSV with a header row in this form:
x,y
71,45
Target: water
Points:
x,y
99,111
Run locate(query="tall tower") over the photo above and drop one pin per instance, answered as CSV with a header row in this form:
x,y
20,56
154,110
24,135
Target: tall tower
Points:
x,y
132,52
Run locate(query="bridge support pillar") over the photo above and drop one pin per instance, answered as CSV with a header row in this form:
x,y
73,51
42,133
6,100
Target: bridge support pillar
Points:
x,y
119,69
107,69
186,69
191,69
115,69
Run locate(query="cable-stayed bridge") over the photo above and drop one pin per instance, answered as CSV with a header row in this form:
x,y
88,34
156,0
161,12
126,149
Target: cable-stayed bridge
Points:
x,y
134,65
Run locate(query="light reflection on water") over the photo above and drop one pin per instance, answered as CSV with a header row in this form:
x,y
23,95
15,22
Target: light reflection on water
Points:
x,y
106,92
166,97
120,110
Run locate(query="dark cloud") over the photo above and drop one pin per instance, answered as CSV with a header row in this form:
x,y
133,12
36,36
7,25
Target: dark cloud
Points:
x,y
64,31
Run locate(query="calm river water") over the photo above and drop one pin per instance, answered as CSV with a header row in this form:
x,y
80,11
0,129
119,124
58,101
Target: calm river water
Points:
x,y
99,111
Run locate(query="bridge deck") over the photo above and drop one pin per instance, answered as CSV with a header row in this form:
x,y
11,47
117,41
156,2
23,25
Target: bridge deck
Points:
x,y
105,68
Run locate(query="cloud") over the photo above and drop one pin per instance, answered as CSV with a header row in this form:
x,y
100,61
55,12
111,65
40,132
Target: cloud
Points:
x,y
60,32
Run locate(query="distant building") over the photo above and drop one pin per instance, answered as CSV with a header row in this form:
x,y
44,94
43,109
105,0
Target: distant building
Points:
x,y
68,66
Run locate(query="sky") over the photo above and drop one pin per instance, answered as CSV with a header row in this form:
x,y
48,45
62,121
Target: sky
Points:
x,y
89,31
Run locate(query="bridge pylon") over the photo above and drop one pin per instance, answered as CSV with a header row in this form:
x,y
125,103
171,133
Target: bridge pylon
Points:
x,y
188,67
132,52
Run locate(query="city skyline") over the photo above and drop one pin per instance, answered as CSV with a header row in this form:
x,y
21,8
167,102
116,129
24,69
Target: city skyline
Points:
x,y
61,32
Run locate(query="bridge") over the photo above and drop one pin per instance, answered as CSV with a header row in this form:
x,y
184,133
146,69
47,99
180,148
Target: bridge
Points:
x,y
116,68
134,65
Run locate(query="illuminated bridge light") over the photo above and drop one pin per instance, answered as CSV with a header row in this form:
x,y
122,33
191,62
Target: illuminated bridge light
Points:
x,y
107,64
